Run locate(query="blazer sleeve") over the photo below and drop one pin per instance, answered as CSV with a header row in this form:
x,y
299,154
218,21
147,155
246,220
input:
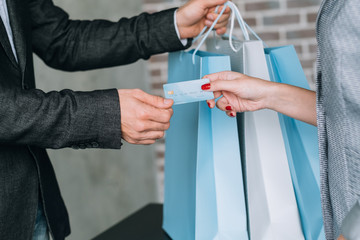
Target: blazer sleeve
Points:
x,y
74,45
60,119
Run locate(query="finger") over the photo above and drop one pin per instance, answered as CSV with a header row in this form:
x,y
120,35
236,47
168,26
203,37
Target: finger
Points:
x,y
209,23
146,138
221,85
143,142
146,126
156,126
221,31
227,10
211,103
218,9
224,85
155,101
226,75
212,9
221,24
153,135
217,94
231,114
213,16
218,25
213,3
147,142
223,104
157,115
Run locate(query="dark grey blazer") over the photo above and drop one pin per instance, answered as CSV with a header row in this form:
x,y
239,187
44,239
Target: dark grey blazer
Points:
x,y
31,120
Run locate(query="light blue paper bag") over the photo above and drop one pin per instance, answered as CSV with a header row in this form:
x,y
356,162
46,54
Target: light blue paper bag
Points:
x,y
301,143
204,196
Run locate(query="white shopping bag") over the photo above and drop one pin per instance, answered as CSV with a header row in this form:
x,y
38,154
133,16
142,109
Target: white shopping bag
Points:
x,y
273,211
272,208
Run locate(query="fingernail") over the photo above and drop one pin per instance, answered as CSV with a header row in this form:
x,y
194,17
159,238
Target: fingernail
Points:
x,y
228,108
231,114
206,86
211,17
208,23
167,101
209,105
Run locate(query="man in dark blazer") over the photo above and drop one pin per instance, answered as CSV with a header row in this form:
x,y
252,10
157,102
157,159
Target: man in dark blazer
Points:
x,y
32,120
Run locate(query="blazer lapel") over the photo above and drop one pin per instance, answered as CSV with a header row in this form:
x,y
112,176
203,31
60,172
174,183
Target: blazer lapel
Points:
x,y
4,39
16,16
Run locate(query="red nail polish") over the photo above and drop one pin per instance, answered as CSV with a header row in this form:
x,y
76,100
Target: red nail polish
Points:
x,y
209,105
228,108
231,114
206,86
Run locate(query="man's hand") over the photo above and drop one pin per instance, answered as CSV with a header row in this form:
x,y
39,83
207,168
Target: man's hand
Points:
x,y
196,14
144,117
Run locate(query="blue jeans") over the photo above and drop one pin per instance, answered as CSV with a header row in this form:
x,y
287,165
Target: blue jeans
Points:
x,y
41,229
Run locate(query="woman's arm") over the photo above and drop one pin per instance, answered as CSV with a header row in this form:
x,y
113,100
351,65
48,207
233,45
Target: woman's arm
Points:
x,y
295,102
242,93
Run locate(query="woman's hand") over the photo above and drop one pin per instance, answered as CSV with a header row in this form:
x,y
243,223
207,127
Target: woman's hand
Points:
x,y
240,93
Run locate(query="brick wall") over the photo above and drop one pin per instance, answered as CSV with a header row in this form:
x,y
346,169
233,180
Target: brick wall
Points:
x,y
278,22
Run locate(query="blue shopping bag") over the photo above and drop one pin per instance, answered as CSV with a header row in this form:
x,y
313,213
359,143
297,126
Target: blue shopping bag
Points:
x,y
204,195
301,143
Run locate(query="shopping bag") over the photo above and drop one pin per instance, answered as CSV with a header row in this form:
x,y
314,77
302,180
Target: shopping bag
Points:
x,y
272,207
301,143
204,196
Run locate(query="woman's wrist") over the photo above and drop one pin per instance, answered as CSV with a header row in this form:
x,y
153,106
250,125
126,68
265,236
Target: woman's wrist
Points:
x,y
272,96
292,101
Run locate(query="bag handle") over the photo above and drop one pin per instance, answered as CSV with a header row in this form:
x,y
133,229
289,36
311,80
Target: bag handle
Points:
x,y
255,35
235,13
242,23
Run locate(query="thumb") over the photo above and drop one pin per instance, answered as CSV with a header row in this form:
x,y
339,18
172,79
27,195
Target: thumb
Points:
x,y
156,101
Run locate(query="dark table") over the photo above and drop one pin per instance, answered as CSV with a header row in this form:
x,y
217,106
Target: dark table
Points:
x,y
145,224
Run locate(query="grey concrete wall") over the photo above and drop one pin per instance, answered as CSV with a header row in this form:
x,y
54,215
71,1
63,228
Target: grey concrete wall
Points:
x,y
100,187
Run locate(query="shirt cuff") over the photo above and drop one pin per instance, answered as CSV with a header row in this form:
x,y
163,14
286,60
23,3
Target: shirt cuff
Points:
x,y
350,226
183,41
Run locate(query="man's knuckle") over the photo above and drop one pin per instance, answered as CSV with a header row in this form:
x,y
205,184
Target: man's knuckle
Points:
x,y
131,140
137,92
144,115
167,116
139,127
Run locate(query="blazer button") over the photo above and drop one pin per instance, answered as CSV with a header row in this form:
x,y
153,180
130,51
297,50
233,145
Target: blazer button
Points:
x,y
95,144
82,146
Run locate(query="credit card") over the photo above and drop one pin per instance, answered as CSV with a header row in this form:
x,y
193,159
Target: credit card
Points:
x,y
187,92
